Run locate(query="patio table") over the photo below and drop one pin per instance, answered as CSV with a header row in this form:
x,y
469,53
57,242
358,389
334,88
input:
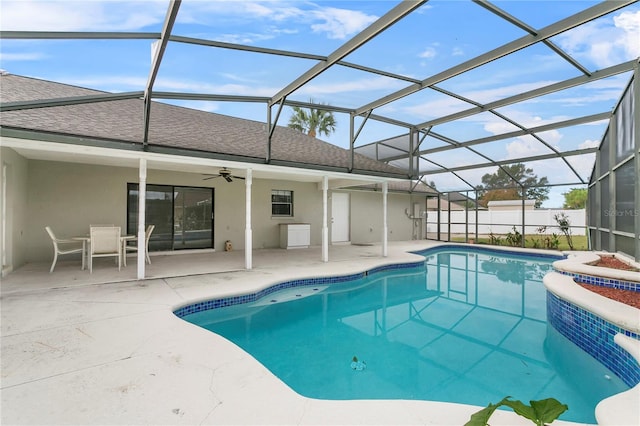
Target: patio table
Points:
x,y
123,240
85,246
86,241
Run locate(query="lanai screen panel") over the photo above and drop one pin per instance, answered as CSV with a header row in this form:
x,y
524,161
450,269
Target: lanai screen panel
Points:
x,y
613,190
472,83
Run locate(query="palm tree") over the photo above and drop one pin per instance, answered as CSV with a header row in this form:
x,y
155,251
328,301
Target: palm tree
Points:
x,y
312,121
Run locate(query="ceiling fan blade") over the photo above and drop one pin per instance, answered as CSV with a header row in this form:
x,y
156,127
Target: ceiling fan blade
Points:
x,y
211,177
238,177
227,178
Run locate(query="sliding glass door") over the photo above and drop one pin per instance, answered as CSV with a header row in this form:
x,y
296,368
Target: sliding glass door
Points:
x,y
183,216
192,218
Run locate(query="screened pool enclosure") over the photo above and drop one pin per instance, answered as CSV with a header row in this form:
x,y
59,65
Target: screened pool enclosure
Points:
x,y
445,101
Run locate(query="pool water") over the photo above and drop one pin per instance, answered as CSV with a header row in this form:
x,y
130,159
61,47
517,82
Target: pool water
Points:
x,y
468,327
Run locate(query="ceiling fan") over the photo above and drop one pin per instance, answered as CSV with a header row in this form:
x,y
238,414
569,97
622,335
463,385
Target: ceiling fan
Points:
x,y
223,173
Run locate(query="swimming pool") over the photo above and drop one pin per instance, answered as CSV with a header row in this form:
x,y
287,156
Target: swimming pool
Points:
x,y
463,326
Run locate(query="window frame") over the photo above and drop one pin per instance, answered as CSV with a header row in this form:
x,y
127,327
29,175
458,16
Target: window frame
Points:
x,y
282,192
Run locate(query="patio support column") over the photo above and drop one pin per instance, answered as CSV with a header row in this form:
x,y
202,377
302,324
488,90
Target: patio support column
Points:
x,y
385,231
248,233
325,227
142,207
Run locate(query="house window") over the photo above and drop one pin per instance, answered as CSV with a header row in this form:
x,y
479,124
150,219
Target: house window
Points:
x,y
281,203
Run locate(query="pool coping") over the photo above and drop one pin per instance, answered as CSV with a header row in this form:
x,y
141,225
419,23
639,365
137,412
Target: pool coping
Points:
x,y
614,411
621,408
114,353
238,297
182,309
582,263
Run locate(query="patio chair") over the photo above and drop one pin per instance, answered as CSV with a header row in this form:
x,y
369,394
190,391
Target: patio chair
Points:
x,y
58,250
104,241
147,236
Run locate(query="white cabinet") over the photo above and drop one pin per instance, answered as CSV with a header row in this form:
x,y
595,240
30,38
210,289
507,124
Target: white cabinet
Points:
x,y
295,235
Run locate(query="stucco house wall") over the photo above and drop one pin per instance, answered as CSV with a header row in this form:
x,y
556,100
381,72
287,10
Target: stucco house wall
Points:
x,y
366,216
14,208
71,196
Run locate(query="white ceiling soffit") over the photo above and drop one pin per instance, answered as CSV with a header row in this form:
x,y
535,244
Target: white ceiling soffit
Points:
x,y
51,151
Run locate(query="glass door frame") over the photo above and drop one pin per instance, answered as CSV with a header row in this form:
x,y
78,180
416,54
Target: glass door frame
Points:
x,y
132,215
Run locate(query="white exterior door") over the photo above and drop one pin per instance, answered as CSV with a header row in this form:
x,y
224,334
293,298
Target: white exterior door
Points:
x,y
339,217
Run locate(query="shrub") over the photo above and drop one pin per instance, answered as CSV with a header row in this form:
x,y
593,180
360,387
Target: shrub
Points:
x,y
514,238
565,226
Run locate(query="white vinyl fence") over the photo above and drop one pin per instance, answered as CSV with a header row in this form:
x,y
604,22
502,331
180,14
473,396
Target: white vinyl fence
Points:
x,y
502,222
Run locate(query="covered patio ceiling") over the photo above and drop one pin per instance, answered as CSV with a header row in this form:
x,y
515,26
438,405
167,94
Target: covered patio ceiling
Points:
x,y
514,82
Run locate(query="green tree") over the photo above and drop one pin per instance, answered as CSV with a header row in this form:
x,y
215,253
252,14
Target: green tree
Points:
x,y
498,194
312,121
535,188
576,198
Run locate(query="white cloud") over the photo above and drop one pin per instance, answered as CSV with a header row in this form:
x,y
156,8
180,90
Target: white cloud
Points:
x,y
429,52
340,23
36,15
629,23
457,51
589,143
525,146
502,91
436,108
361,85
200,105
336,23
32,56
198,11
552,137
120,83
245,38
583,164
605,41
183,85
110,83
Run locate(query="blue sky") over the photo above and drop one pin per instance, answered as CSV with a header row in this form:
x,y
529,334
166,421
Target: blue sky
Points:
x,y
438,36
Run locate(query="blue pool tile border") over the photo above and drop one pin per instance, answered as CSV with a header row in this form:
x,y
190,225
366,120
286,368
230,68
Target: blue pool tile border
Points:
x,y
304,282
594,335
483,249
602,282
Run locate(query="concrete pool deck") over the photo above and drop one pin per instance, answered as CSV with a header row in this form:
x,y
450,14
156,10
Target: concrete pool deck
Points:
x,y
106,349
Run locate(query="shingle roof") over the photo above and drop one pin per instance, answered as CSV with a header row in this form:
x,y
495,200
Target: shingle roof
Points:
x,y
170,126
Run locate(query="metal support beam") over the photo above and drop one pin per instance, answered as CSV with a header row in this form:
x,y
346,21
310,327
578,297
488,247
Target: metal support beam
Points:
x,y
387,20
554,29
75,100
325,219
524,198
77,35
636,153
544,128
385,226
518,23
476,209
514,161
157,53
272,128
466,217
